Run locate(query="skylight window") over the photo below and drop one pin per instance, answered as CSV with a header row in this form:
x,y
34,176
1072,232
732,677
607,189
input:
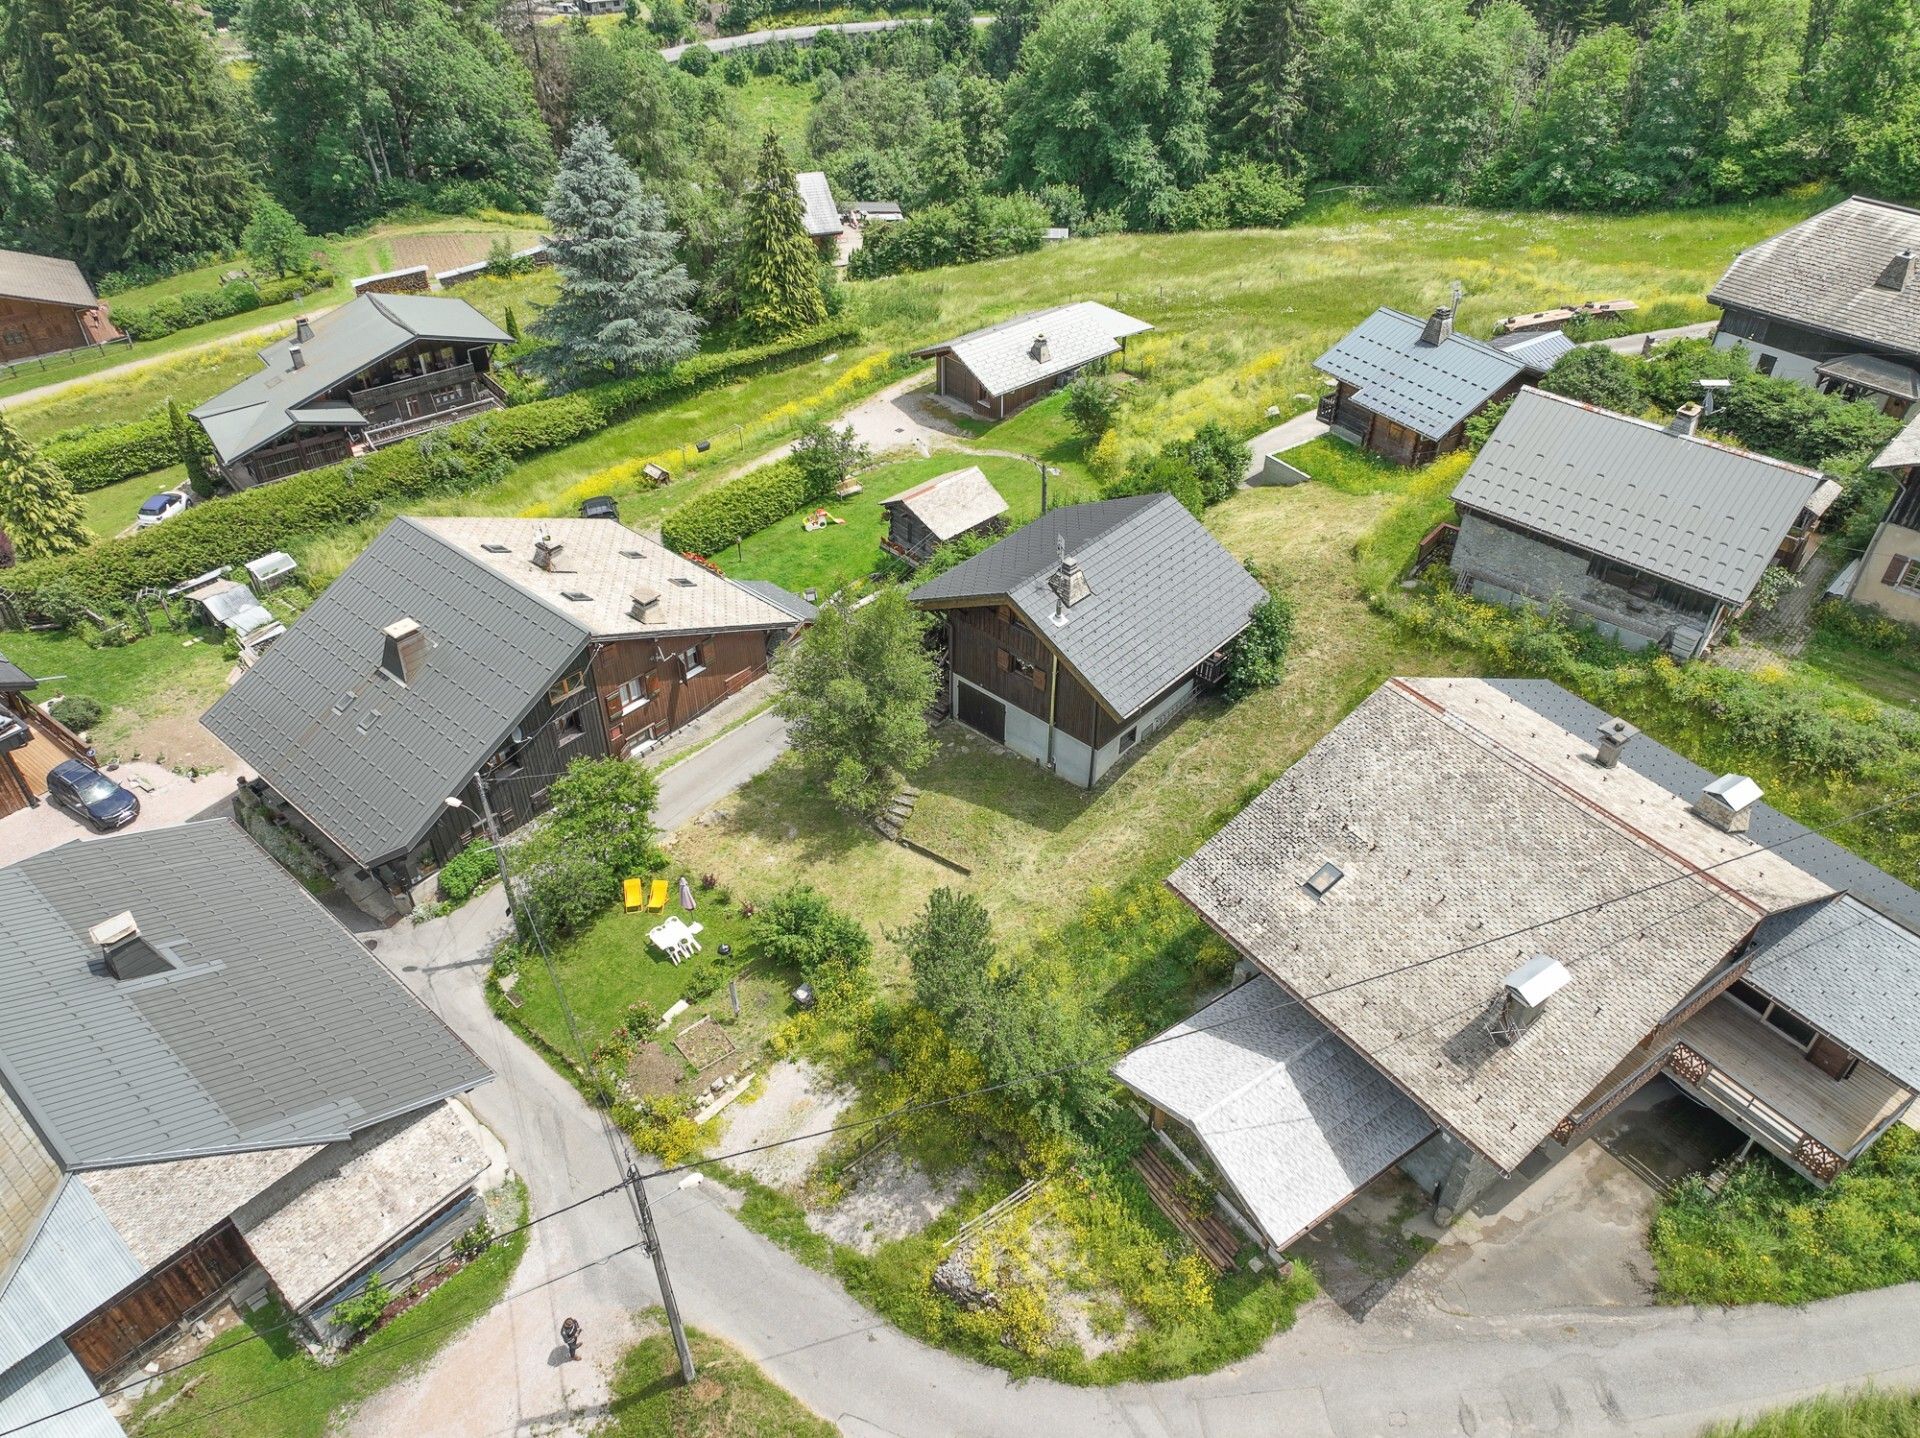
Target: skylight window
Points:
x,y
1322,879
631,554
367,723
496,549
683,581
343,704
576,596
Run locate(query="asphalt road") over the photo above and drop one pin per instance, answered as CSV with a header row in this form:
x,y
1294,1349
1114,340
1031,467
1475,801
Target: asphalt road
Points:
x,y
1429,1371
720,44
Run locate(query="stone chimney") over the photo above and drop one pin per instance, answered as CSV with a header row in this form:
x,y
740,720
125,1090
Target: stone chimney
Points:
x,y
644,601
1439,327
302,330
546,553
1727,803
1614,735
405,654
1069,585
1040,352
1686,419
1894,276
296,357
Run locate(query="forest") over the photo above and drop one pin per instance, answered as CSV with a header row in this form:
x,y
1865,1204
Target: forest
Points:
x,y
133,141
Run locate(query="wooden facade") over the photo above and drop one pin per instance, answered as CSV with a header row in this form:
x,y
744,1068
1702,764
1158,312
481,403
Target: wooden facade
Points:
x,y
648,688
23,771
908,536
991,649
39,327
1390,440
116,1332
956,381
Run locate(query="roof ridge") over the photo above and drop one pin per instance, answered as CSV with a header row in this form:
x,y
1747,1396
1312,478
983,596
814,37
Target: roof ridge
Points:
x,y
1265,1074
1653,424
420,524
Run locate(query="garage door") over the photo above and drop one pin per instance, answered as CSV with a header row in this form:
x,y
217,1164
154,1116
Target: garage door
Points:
x,y
983,712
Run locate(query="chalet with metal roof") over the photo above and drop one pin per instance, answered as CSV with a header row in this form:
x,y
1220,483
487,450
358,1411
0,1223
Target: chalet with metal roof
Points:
x,y
381,368
1082,633
1833,302
1405,388
1002,369
47,307
945,508
1652,533
466,648
1480,914
198,1069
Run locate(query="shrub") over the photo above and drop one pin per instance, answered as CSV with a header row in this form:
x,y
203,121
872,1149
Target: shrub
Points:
x,y
360,1314
709,523
1245,196
79,711
696,59
979,227
1480,427
1219,460
1260,655
474,1242
198,307
100,455
1855,624
464,874
1091,406
826,457
1594,374
831,949
1169,472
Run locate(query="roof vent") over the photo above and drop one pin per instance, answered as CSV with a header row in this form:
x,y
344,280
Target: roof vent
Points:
x,y
1069,585
1894,276
1439,327
1525,992
1614,736
1686,419
546,553
296,357
1040,352
302,330
127,955
645,600
405,655
1321,881
1727,803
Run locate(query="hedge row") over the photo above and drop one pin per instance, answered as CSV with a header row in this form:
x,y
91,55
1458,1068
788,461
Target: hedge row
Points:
x,y
101,455
722,517
196,307
238,528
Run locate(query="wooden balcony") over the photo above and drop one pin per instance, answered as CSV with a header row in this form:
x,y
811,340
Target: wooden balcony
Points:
x,y
379,396
378,436
1761,1082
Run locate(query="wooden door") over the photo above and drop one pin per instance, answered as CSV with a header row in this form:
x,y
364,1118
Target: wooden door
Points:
x,y
160,1300
1830,1058
984,713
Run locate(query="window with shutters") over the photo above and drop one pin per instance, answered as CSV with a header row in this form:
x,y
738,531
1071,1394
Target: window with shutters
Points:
x,y
1904,573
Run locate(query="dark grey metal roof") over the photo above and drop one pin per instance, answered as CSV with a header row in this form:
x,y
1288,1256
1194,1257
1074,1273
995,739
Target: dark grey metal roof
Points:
x,y
1702,514
1536,349
45,280
1163,593
13,678
1882,376
1815,853
780,598
1821,273
1427,388
373,774
277,1028
1850,972
259,409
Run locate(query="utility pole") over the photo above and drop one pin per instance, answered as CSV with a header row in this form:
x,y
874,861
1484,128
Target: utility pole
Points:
x,y
650,1240
493,834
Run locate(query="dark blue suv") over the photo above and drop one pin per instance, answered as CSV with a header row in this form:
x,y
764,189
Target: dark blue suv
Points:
x,y
87,792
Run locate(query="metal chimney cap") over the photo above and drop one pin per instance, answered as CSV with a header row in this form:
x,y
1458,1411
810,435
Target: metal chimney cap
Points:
x,y
1736,791
1537,980
115,930
1617,729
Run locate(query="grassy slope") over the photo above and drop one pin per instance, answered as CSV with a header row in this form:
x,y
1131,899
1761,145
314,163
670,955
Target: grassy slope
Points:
x,y
730,1397
767,102
1847,1415
259,1383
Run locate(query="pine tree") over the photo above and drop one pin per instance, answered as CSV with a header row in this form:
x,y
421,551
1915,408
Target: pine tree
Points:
x,y
125,111
187,444
1261,72
779,268
623,303
38,508
510,322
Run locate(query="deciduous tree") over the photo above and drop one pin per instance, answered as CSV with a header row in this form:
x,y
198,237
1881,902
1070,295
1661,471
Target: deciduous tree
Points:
x,y
274,239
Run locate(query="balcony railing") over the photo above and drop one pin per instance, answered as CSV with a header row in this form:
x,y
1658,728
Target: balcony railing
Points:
x,y
1747,1110
374,396
379,435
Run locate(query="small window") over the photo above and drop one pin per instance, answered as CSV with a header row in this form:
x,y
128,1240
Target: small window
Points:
x,y
446,399
571,685
1906,573
630,696
367,722
631,554
1130,738
683,581
343,704
576,596
16,337
496,549
573,727
1764,365
694,660
1322,879
1746,993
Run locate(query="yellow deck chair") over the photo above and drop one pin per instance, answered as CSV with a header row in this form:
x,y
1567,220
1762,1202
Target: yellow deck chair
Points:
x,y
633,893
658,901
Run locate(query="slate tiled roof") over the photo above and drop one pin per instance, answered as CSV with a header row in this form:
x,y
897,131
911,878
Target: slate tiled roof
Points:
x,y
372,772
1005,357
606,561
951,504
822,215
1457,816
44,279
1163,594
1427,388
1702,514
278,1028
1295,1119
1851,973
359,334
1821,273
159,1208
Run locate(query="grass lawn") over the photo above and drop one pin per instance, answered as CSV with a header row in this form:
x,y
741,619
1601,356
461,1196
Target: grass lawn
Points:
x,y
769,102
1866,1414
113,509
1040,431
729,1398
1892,675
260,1383
831,558
118,397
1346,467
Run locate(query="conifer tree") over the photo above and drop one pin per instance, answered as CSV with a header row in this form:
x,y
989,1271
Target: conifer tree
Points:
x,y
779,268
623,303
38,508
186,443
1261,72
125,112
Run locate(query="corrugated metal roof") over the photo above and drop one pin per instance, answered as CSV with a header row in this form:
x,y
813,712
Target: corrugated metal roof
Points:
x,y
822,215
951,504
279,1028
29,1181
1427,388
50,1380
1685,508
1536,349
352,338
1821,273
1163,594
376,785
1851,973
1882,376
1008,356
44,279
1295,1119
77,1262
